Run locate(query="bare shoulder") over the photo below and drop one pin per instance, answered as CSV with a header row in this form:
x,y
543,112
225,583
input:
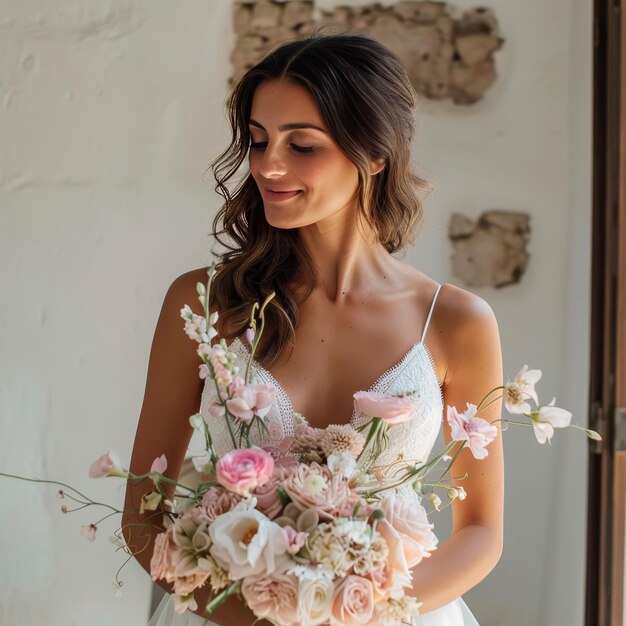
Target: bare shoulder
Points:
x,y
464,323
460,309
187,281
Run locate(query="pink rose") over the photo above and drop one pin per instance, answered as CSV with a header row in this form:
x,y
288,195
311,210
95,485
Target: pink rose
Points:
x,y
217,501
408,517
475,430
353,602
272,597
392,409
267,499
242,470
107,465
251,400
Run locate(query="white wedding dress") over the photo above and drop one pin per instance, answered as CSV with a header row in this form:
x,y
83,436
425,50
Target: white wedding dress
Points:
x,y
413,439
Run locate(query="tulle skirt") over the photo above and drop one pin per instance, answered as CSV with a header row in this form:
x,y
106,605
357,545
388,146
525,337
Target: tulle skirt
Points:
x,y
455,613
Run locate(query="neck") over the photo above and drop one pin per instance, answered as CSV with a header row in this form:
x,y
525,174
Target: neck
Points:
x,y
347,260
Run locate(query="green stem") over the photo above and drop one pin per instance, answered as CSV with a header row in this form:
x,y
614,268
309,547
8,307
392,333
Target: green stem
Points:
x,y
56,482
215,604
478,408
454,458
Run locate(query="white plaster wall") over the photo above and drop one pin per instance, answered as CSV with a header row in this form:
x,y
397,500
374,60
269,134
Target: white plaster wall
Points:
x,y
109,114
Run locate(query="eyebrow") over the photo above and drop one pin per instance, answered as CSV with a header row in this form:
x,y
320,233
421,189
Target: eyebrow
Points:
x,y
285,127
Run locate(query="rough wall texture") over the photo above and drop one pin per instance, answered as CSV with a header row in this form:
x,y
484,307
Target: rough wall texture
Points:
x,y
447,57
490,252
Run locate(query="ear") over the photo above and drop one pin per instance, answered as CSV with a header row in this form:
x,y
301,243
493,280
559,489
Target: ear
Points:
x,y
377,166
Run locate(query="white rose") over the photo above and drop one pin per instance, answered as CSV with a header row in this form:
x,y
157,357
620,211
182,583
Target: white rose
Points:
x,y
246,543
315,596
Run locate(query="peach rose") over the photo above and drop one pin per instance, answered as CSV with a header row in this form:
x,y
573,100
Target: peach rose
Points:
x,y
408,517
353,601
218,501
267,499
242,470
272,597
161,563
391,409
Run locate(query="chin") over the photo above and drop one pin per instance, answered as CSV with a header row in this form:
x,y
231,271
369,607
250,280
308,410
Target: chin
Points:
x,y
280,221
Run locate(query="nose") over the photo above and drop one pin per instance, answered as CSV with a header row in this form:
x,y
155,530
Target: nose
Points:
x,y
271,161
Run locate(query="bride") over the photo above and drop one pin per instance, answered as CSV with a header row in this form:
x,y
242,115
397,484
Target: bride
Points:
x,y
326,123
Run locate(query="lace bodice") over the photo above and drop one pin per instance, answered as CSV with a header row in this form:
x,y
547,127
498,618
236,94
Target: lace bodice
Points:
x,y
415,371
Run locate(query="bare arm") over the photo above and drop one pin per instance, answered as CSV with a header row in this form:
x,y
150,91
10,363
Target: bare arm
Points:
x,y
173,392
474,362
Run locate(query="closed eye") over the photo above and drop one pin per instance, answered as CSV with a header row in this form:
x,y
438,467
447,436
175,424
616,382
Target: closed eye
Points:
x,y
261,144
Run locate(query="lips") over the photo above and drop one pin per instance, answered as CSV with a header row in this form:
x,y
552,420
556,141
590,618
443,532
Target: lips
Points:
x,y
280,195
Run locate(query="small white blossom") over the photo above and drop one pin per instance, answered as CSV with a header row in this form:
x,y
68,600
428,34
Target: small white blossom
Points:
x,y
523,386
342,464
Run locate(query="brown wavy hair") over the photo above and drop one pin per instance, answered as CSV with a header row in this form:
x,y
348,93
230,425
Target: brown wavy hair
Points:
x,y
366,100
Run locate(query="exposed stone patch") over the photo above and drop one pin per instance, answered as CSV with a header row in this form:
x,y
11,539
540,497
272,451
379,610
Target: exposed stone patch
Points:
x,y
490,252
446,56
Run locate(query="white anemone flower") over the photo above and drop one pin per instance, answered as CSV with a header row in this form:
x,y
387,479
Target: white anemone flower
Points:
x,y
523,386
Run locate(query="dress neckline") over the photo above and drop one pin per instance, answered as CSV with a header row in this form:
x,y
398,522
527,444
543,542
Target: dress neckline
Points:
x,y
394,369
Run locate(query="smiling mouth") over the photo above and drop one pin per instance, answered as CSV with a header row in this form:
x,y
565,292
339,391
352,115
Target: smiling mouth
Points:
x,y
281,195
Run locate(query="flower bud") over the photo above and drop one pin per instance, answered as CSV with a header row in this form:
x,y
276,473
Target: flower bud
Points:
x,y
435,500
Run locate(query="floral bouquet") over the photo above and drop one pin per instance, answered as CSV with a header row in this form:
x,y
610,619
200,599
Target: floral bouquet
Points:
x,y
310,531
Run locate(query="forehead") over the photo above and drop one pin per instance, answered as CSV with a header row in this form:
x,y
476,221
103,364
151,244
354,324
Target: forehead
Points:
x,y
277,102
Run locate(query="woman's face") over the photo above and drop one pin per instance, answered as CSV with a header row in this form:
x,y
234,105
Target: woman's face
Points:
x,y
306,159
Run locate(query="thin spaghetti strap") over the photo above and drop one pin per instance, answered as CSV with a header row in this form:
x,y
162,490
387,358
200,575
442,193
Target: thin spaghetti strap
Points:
x,y
432,306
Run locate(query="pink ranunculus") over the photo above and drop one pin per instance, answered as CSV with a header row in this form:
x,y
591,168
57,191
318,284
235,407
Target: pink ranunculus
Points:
x,y
465,426
391,409
242,470
251,400
408,517
353,601
272,597
107,465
